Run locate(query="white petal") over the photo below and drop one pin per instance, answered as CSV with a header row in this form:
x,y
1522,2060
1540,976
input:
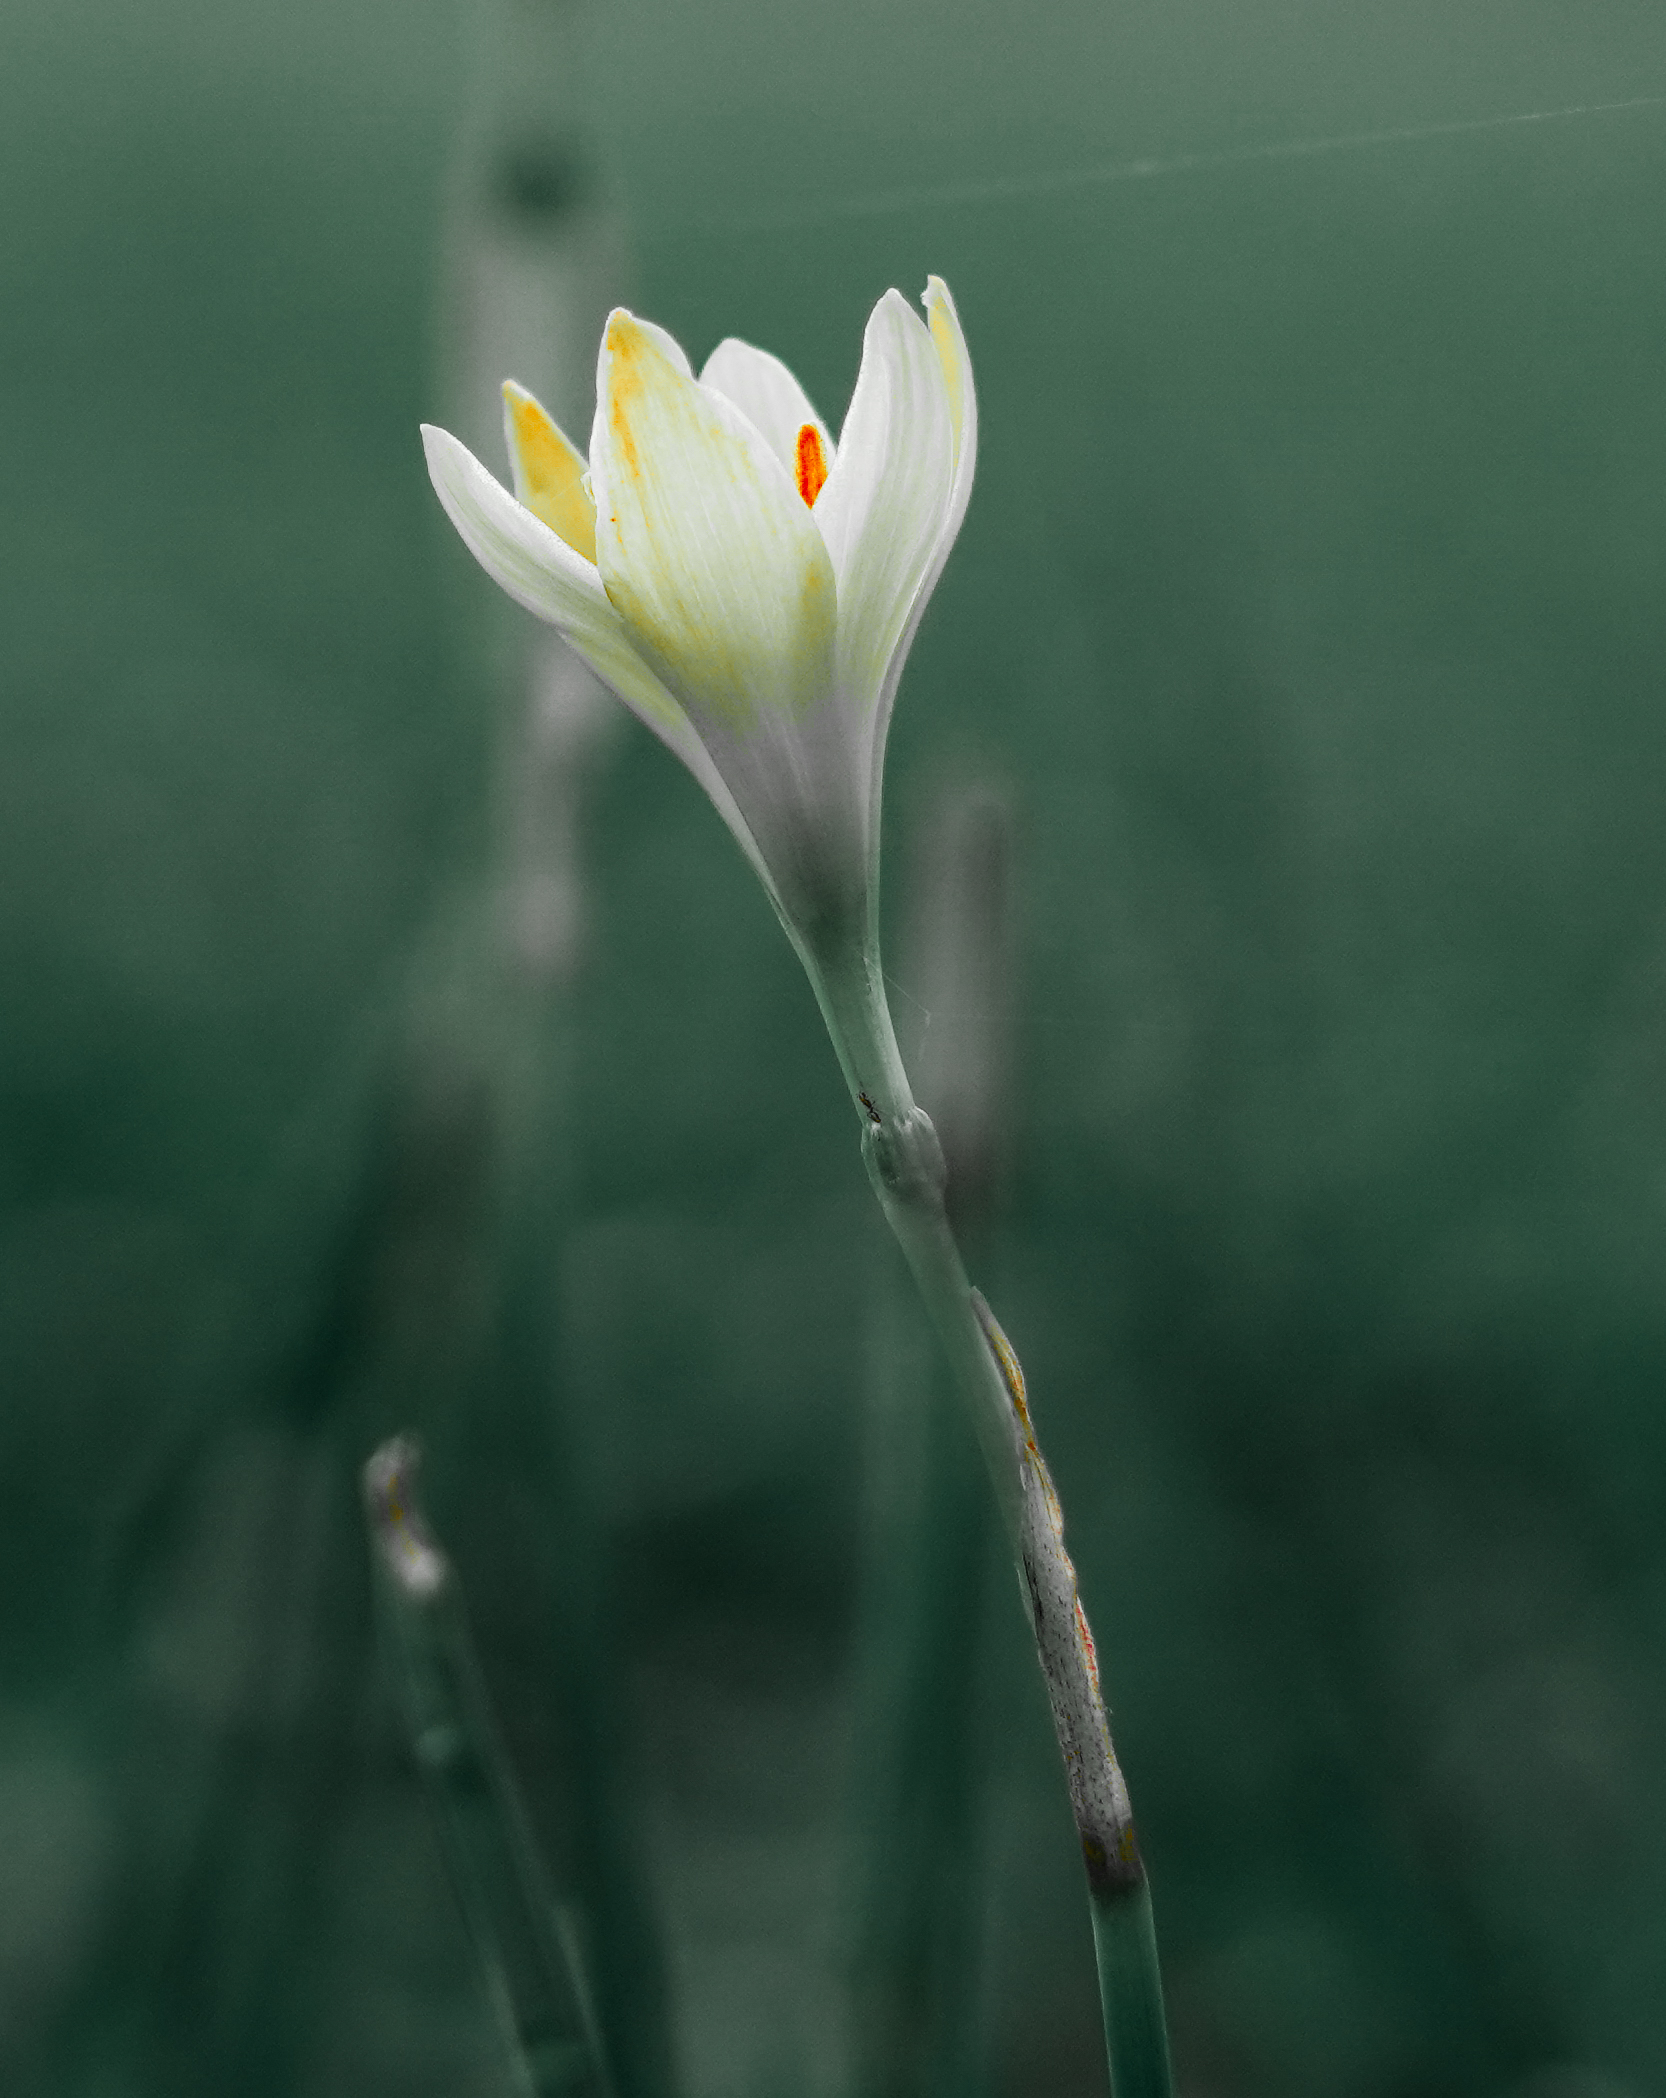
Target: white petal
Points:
x,y
882,510
549,470
950,345
766,392
725,587
963,409
704,545
663,341
540,571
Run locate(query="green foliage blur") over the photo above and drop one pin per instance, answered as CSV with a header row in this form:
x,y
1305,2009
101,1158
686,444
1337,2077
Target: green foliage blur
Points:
x,y
1310,618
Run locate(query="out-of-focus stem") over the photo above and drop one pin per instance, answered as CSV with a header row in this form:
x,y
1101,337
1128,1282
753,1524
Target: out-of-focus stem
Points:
x,y
535,253
906,1166
530,1970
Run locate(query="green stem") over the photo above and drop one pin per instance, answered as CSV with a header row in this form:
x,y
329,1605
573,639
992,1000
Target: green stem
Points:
x,y
1136,2036
905,1165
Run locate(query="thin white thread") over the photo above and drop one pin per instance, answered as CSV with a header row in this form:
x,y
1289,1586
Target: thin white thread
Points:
x,y
1002,188
903,991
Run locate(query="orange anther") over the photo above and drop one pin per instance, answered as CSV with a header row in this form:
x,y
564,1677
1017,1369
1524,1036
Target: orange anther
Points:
x,y
811,462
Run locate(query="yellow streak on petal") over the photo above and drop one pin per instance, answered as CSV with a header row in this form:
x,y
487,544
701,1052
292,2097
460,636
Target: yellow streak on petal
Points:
x,y
549,472
647,401
625,343
944,335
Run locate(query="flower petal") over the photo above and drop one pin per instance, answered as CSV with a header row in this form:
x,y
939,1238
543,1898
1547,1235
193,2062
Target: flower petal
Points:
x,y
765,391
549,470
963,411
661,338
724,584
540,571
704,545
882,510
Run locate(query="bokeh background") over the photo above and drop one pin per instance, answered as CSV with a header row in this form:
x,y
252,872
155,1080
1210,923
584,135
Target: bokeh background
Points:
x,y
1309,624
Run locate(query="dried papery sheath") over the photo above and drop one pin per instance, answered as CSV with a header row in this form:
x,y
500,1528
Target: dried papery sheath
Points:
x,y
1064,1646
1125,1943
528,1961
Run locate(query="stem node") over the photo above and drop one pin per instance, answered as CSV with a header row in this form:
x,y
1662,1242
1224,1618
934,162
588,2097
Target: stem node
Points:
x,y
905,1159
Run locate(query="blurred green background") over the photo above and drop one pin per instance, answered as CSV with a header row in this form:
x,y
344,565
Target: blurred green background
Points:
x,y
1308,615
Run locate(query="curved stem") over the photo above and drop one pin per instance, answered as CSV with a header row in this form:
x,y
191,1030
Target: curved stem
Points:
x,y
905,1165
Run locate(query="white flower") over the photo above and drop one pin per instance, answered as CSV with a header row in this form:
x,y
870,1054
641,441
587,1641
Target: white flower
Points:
x,y
746,586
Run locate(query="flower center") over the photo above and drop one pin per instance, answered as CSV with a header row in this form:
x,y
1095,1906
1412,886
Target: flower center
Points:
x,y
812,463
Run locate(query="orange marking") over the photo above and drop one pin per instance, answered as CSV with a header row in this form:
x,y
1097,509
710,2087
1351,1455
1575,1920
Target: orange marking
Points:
x,y
1013,1377
1090,1653
812,463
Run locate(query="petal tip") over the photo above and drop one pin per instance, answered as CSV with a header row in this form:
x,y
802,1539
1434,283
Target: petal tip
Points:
x,y
624,334
725,349
439,447
627,348
526,420
627,337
